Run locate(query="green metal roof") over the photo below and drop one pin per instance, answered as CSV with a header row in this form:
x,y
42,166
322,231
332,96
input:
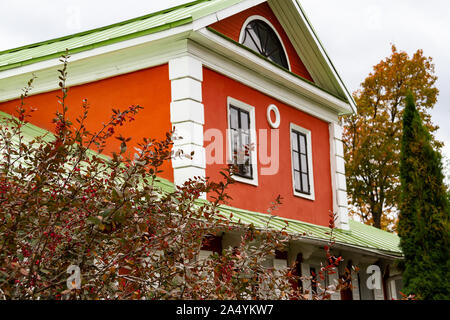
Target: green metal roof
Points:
x,y
137,27
360,235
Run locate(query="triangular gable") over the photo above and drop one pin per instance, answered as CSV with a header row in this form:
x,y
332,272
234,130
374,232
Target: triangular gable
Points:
x,y
232,26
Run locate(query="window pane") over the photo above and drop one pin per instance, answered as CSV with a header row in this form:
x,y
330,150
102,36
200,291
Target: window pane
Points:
x,y
272,47
234,124
244,120
305,186
297,181
246,143
262,35
296,161
279,58
234,145
302,144
243,148
250,44
275,57
245,169
294,141
252,40
248,162
304,163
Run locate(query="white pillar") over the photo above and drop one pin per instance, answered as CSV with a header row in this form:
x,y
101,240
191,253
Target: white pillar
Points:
x,y
306,273
379,292
339,182
333,280
187,116
355,286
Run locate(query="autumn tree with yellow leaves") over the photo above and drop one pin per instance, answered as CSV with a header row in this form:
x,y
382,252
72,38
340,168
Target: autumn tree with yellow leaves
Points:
x,y
372,137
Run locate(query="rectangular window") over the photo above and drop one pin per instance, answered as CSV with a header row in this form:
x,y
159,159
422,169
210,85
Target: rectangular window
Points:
x,y
242,141
301,152
300,161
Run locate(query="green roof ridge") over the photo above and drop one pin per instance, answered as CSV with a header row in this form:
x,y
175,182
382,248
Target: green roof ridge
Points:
x,y
117,24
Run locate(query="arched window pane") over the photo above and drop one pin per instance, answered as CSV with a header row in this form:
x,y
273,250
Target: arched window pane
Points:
x,y
260,37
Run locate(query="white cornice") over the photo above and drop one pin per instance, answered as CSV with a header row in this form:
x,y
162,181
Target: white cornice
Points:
x,y
97,64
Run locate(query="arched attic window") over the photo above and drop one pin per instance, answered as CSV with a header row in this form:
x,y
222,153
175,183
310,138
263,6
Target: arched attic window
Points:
x,y
259,35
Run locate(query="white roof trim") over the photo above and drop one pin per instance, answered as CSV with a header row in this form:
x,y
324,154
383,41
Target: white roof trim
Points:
x,y
325,55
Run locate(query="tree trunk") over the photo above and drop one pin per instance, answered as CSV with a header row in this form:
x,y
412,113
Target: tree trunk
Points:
x,y
376,215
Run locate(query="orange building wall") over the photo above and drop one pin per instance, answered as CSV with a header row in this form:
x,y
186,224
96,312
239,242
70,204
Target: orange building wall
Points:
x,y
216,89
149,88
231,27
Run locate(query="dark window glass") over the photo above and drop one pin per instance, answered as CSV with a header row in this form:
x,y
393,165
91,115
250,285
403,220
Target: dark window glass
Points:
x,y
314,280
260,37
240,141
212,243
300,162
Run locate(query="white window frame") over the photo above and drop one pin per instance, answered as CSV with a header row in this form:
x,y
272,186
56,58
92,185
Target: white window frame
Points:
x,y
254,158
392,287
257,17
307,133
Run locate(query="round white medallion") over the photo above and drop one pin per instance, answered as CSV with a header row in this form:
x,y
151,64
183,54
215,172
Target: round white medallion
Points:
x,y
273,124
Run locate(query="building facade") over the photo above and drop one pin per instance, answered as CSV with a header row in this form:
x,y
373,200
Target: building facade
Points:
x,y
242,81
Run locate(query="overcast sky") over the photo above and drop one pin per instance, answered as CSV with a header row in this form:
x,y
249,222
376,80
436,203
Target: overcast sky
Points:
x,y
356,34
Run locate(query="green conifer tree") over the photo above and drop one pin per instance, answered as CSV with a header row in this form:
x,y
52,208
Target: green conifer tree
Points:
x,y
424,212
